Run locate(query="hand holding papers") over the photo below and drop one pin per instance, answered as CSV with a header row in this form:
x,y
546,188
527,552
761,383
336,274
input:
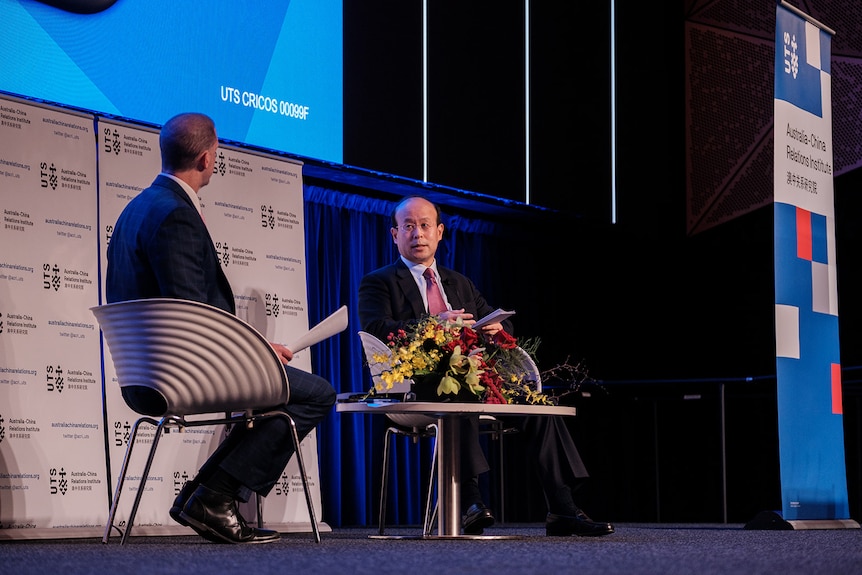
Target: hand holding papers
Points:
x,y
495,316
335,323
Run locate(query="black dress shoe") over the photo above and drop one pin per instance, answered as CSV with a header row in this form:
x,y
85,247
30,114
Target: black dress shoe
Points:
x,y
578,524
477,518
183,496
215,517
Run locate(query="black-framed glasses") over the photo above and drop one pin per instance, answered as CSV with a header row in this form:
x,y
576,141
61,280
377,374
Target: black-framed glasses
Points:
x,y
424,227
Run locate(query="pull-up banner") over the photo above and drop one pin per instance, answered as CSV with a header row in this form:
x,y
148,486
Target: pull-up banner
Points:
x,y
810,416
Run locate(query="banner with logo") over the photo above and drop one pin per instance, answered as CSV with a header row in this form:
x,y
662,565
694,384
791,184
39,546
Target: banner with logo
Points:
x,y
52,454
58,216
253,209
810,416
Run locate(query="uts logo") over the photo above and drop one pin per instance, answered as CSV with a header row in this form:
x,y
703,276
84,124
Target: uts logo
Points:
x,y
283,486
59,483
273,308
54,378
122,432
51,277
112,141
267,217
48,175
220,165
180,479
223,253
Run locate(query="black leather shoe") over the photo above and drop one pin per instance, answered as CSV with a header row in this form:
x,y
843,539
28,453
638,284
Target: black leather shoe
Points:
x,y
477,518
579,524
215,517
183,496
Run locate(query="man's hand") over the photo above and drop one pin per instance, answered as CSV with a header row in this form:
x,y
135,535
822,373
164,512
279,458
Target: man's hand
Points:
x,y
454,314
284,354
491,329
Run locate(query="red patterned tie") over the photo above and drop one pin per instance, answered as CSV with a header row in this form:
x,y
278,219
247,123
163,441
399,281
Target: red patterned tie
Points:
x,y
436,305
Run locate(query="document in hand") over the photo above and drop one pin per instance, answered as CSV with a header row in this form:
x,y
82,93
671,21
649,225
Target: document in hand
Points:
x,y
331,325
495,316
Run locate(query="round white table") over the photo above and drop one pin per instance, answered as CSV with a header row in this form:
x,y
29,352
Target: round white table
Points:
x,y
448,441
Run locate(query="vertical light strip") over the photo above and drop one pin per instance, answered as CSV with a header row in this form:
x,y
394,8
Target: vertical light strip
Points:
x,y
425,90
613,115
527,99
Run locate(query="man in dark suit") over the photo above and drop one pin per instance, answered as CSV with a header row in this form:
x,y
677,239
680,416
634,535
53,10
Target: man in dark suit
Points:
x,y
160,247
393,296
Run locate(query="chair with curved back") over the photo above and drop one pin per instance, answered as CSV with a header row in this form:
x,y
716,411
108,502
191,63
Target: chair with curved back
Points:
x,y
418,426
176,359
413,426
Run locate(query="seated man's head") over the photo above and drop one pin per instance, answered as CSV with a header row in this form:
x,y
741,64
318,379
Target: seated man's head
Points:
x,y
417,229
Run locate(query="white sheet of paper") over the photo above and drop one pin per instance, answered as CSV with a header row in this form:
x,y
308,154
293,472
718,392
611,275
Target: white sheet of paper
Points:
x,y
495,316
329,326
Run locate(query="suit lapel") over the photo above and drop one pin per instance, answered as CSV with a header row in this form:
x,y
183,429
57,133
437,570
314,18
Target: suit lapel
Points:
x,y
409,289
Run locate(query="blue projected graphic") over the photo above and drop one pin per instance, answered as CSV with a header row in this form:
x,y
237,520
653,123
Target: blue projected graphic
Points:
x,y
268,72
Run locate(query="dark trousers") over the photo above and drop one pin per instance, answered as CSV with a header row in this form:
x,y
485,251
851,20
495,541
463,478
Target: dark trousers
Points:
x,y
550,449
256,457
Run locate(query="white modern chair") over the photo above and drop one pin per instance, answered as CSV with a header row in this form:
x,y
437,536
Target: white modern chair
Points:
x,y
418,426
178,358
414,426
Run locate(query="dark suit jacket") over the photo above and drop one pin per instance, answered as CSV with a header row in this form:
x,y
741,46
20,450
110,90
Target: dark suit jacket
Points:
x,y
160,247
389,298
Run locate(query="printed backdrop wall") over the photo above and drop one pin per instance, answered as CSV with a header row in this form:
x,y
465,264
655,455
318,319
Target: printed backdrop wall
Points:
x,y
59,436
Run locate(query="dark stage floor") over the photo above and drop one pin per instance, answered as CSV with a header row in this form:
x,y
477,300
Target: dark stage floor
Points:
x,y
634,548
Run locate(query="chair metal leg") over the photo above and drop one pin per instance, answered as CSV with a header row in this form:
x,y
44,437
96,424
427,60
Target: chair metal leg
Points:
x,y
387,438
121,479
156,437
430,500
160,425
305,486
431,512
501,472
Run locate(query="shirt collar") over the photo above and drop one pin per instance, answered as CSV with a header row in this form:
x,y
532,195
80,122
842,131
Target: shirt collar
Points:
x,y
188,189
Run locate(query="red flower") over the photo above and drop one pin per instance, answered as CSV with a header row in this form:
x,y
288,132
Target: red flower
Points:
x,y
470,338
504,341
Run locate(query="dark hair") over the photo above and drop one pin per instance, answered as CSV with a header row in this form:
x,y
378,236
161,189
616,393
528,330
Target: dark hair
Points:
x,y
405,200
183,138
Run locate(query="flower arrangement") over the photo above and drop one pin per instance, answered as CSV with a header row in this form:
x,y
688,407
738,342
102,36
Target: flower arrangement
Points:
x,y
460,362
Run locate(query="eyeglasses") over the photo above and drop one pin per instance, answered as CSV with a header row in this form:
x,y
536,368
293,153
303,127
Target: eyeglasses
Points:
x,y
424,227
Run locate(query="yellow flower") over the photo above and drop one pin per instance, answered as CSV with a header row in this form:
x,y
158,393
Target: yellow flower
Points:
x,y
448,384
490,373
